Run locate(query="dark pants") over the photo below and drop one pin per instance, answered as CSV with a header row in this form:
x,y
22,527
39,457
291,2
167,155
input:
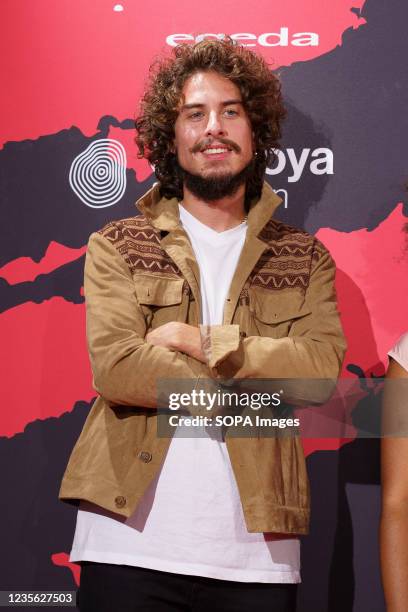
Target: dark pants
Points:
x,y
107,587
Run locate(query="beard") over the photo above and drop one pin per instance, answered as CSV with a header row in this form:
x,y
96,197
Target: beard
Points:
x,y
217,186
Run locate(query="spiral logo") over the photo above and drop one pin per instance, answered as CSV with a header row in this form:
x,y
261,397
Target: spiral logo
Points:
x,y
98,174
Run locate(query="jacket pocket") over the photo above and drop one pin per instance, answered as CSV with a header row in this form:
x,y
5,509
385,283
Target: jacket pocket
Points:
x,y
160,298
273,312
156,291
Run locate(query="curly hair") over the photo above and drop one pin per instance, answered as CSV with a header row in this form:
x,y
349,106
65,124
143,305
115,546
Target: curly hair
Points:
x,y
261,95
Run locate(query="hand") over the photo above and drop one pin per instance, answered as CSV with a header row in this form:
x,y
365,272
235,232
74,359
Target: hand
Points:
x,y
178,337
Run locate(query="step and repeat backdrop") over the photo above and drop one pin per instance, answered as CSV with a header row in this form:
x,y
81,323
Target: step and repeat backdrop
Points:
x,y
73,73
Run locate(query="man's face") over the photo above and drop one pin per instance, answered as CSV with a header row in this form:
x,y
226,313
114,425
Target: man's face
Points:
x,y
213,135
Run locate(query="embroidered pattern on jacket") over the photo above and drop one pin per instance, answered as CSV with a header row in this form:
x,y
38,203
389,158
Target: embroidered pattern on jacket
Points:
x,y
139,243
286,263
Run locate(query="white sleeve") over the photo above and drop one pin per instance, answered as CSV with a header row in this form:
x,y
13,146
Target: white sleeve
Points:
x,y
399,351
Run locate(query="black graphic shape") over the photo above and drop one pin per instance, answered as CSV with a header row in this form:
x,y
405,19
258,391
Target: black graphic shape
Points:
x,y
357,94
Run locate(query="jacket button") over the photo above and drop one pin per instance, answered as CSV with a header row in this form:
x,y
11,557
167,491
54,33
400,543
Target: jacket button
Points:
x,y
120,501
145,456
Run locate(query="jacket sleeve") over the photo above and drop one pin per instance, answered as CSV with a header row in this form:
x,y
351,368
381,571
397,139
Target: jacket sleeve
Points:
x,y
125,367
314,348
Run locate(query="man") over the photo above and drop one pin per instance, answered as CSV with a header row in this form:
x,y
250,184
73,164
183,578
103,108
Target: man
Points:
x,y
203,284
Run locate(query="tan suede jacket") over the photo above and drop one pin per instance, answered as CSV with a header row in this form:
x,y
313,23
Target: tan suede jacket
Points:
x,y
280,321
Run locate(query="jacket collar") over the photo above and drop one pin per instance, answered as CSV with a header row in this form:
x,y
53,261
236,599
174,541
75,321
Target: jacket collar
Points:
x,y
163,213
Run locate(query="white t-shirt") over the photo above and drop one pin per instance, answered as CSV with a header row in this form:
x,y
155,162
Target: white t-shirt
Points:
x,y
399,351
190,521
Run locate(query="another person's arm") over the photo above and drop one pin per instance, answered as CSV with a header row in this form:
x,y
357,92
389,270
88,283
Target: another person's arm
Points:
x,y
394,515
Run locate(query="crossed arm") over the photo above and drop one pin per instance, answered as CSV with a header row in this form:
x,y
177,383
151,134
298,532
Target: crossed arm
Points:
x,y
394,513
126,361
178,337
126,364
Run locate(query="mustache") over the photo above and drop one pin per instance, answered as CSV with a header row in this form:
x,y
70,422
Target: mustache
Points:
x,y
200,146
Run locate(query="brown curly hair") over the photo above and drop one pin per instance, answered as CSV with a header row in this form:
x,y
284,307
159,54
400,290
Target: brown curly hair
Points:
x,y
261,94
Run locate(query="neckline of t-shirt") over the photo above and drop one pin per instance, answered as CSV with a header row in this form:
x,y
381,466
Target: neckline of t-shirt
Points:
x,y
188,219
